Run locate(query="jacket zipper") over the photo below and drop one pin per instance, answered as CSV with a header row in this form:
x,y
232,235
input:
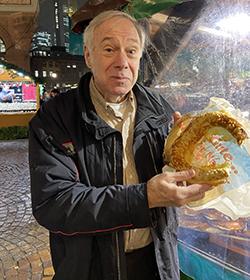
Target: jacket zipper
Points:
x,y
116,234
157,210
152,155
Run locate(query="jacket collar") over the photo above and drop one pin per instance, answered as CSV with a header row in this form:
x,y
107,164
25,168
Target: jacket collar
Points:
x,y
148,106
92,122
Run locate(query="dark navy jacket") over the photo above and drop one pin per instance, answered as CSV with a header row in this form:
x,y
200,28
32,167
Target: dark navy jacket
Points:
x,y
77,191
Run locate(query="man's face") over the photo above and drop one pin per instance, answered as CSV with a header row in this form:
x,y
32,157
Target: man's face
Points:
x,y
114,58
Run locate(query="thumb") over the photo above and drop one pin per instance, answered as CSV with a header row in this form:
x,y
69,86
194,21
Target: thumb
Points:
x,y
176,116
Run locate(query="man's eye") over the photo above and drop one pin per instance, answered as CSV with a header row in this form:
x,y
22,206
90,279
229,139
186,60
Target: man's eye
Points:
x,y
132,51
109,50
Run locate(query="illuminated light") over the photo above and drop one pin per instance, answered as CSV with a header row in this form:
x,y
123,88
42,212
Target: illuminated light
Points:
x,y
237,24
54,75
245,114
20,74
174,84
214,32
26,77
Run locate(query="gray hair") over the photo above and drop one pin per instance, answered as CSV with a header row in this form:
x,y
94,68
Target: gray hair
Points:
x,y
104,16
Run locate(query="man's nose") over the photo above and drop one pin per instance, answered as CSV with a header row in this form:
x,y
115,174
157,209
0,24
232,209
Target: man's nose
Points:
x,y
121,60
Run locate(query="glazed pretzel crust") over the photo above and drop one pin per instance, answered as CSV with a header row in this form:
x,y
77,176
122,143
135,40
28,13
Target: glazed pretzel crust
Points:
x,y
184,136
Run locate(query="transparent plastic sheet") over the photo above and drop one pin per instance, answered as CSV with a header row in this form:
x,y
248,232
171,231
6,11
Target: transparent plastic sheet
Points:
x,y
214,235
190,59
232,198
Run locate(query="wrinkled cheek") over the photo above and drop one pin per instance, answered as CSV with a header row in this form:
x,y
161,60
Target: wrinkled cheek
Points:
x,y
134,78
135,72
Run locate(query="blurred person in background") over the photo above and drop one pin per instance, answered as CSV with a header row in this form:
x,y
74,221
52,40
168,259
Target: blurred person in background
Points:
x,y
54,92
6,94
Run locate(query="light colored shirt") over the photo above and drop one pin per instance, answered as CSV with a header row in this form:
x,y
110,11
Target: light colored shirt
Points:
x,y
121,116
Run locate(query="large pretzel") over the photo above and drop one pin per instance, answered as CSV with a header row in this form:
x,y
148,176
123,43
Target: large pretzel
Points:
x,y
187,133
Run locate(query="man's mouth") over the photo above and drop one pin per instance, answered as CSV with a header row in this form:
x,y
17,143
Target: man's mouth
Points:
x,y
120,78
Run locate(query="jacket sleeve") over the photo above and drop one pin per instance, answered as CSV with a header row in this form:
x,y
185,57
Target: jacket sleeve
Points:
x,y
63,204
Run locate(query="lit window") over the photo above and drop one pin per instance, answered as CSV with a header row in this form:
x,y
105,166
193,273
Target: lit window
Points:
x,y
44,74
2,46
74,66
36,73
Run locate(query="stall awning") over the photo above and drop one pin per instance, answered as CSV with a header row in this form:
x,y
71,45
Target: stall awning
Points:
x,y
10,72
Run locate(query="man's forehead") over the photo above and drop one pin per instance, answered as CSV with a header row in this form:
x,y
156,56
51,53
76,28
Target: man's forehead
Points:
x,y
117,24
110,29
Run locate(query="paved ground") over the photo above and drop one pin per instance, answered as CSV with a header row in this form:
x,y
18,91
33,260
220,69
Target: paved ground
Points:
x,y
24,251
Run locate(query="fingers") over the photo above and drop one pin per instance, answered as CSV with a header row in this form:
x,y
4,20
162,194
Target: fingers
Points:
x,y
191,193
163,190
196,189
180,176
176,116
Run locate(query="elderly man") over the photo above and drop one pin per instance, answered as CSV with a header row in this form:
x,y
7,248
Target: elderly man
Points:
x,y
95,165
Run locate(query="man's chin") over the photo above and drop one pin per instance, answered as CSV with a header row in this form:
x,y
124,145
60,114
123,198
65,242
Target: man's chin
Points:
x,y
120,91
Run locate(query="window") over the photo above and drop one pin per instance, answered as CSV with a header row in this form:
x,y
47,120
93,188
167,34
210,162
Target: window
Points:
x,y
2,46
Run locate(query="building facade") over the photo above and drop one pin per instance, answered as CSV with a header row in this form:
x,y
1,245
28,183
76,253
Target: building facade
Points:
x,y
55,21
58,68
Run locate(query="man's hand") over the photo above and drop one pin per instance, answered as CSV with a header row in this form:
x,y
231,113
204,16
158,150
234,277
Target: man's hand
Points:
x,y
163,189
167,189
176,116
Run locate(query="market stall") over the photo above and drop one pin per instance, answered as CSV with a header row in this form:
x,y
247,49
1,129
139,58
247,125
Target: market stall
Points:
x,y
19,96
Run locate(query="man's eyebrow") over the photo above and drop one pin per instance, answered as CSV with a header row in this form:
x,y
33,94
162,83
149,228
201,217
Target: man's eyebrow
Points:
x,y
106,39
113,39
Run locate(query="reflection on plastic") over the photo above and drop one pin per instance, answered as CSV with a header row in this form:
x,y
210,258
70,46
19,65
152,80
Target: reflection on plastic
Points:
x,y
232,198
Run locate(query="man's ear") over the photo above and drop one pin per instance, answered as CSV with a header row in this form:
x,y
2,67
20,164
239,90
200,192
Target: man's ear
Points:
x,y
87,57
